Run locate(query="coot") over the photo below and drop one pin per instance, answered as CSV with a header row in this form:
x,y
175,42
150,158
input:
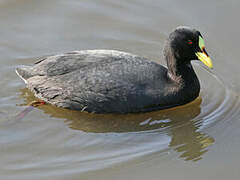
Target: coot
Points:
x,y
110,81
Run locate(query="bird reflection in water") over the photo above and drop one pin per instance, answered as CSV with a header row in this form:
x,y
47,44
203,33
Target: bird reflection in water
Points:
x,y
180,123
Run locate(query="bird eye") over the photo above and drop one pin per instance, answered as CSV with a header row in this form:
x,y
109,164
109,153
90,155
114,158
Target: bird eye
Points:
x,y
190,42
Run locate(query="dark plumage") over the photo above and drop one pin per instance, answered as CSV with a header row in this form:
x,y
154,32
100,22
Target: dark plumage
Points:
x,y
108,81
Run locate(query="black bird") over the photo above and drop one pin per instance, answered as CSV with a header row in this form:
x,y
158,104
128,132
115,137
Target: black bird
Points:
x,y
109,81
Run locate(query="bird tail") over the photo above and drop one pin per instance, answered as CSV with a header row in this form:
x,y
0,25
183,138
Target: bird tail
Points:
x,y
24,72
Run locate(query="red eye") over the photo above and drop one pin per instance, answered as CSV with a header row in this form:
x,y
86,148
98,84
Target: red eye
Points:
x,y
190,42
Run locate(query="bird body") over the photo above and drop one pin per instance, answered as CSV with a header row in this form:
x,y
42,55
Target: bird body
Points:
x,y
110,81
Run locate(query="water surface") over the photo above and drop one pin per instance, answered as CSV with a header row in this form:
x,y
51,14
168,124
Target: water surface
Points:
x,y
197,141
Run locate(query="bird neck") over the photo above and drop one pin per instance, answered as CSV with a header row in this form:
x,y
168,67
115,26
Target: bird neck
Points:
x,y
185,84
180,71
178,68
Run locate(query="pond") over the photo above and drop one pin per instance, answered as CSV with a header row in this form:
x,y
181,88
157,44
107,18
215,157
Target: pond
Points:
x,y
199,140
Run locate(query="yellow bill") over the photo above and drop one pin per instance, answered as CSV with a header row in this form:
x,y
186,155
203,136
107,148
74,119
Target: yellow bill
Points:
x,y
202,55
205,59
